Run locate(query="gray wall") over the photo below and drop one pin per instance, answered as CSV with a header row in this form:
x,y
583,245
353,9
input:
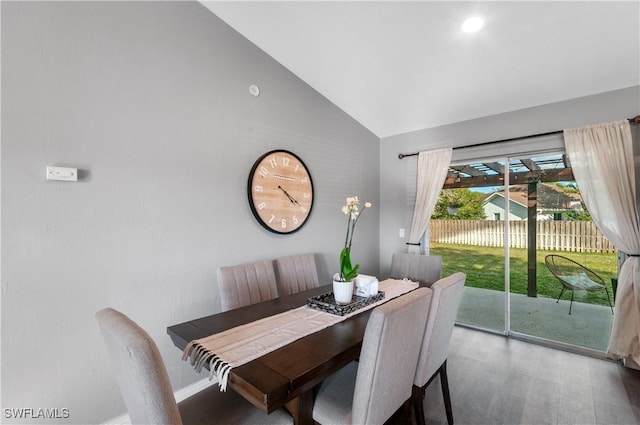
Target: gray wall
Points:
x,y
398,177
150,100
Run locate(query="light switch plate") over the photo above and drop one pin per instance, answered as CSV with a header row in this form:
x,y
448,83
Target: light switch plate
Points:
x,y
62,173
401,233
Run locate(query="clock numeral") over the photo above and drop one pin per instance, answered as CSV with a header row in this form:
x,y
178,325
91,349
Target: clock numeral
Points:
x,y
258,189
263,171
262,205
304,180
273,162
295,220
285,161
271,219
306,195
283,223
296,169
303,209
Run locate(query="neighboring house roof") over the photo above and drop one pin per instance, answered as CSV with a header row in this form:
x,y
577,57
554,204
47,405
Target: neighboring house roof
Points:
x,y
500,194
550,197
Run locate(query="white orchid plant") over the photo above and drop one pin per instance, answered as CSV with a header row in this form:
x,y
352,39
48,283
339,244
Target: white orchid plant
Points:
x,y
353,212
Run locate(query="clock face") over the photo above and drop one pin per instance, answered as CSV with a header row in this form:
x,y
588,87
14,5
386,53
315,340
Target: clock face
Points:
x,y
280,191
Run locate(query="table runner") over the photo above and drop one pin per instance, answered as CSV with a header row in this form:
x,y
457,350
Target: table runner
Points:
x,y
237,346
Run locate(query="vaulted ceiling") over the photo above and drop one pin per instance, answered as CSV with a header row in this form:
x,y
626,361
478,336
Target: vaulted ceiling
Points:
x,y
400,66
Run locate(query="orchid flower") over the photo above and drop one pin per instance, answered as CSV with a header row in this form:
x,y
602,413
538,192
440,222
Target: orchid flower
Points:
x,y
348,272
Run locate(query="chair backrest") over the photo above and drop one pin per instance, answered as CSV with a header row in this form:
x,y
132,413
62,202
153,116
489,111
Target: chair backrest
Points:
x,y
388,357
296,273
246,284
141,373
571,273
420,268
447,293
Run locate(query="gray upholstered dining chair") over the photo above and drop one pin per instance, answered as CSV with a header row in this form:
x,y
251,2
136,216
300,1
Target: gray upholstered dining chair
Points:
x,y
246,284
296,273
146,389
372,390
447,293
425,269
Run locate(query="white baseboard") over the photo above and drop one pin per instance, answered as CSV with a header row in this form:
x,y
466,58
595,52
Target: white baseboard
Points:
x,y
192,389
180,395
119,420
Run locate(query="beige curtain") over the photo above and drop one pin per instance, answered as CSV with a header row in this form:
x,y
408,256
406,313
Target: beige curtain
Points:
x,y
432,171
602,160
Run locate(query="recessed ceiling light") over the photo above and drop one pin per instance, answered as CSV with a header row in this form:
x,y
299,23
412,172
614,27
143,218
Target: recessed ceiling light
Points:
x,y
473,24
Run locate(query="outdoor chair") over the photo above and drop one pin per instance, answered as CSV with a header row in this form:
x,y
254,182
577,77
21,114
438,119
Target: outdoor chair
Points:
x,y
574,276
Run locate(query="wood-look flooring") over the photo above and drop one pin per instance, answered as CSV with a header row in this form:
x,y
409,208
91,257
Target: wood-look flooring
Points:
x,y
497,380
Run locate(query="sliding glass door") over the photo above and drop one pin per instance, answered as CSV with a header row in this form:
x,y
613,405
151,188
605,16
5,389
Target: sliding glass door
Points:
x,y
467,230
558,236
498,221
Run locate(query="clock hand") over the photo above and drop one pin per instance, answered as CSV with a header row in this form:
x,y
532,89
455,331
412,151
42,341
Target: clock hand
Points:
x,y
293,201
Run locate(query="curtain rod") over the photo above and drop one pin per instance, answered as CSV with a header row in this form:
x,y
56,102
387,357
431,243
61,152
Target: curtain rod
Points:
x,y
635,120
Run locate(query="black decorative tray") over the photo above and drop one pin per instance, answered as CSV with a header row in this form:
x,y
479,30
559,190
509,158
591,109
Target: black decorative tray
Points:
x,y
327,302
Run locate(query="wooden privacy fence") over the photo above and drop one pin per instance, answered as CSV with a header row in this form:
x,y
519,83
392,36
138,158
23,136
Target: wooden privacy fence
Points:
x,y
576,236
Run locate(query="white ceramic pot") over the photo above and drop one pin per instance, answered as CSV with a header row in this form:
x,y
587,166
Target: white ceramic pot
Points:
x,y
343,291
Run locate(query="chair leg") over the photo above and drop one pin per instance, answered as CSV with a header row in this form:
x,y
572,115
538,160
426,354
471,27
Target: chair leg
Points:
x,y
406,411
571,304
561,292
609,299
417,395
444,381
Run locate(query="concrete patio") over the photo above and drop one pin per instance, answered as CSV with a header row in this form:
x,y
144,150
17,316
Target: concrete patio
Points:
x,y
588,326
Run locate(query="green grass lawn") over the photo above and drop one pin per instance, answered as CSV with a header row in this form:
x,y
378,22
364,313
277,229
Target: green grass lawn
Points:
x,y
484,267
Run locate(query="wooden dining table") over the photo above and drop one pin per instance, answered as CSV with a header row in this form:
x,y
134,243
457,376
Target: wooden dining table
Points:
x,y
287,376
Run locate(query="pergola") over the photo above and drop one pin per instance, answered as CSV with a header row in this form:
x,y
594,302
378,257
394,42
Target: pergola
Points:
x,y
529,171
552,168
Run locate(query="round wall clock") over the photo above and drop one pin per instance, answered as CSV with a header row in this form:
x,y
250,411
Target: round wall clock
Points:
x,y
280,191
